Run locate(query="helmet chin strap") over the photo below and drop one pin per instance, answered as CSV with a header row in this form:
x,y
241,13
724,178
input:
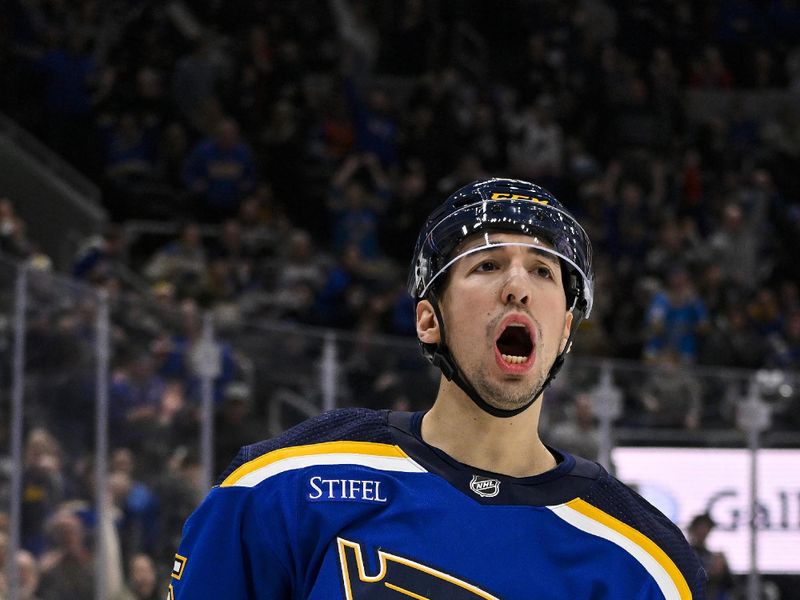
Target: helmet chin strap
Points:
x,y
441,357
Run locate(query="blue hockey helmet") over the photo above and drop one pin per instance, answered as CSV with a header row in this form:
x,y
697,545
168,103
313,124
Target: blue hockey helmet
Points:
x,y
508,205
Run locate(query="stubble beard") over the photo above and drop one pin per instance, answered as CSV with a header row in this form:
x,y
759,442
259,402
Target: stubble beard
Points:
x,y
498,394
501,394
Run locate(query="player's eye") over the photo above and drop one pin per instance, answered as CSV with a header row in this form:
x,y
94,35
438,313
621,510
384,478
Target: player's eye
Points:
x,y
544,272
485,266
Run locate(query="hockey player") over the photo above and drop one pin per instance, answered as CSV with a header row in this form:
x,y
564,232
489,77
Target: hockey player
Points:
x,y
464,500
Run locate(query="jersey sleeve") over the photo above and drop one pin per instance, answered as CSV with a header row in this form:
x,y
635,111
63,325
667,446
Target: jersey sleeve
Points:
x,y
226,554
241,541
625,504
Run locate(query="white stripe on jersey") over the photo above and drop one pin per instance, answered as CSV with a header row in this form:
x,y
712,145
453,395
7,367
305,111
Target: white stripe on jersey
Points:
x,y
647,560
382,463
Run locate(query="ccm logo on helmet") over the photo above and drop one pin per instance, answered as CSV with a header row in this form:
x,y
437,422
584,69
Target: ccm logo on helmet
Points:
x,y
506,196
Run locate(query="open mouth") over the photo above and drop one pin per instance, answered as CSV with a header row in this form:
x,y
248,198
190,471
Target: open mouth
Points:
x,y
515,344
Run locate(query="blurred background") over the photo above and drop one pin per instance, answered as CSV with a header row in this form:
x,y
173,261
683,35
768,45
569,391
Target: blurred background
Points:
x,y
207,210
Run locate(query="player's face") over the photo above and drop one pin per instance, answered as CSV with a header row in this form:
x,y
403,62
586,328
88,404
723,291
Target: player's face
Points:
x,y
506,317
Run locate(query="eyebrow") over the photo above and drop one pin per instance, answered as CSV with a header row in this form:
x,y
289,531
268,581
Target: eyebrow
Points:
x,y
549,259
540,252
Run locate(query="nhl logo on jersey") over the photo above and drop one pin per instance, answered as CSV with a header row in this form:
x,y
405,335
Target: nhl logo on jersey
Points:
x,y
485,487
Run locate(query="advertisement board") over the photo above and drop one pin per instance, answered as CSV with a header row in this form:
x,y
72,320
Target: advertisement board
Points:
x,y
684,482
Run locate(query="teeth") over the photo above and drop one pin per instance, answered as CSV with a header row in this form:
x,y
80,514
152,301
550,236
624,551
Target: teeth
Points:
x,y
514,360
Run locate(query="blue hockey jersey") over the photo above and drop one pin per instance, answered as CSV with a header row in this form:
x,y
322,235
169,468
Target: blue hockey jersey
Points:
x,y
354,505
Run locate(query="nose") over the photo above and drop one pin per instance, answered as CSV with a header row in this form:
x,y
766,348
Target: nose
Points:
x,y
516,288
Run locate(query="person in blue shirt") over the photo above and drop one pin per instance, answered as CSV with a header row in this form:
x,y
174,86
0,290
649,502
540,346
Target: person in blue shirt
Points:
x,y
464,500
677,319
221,171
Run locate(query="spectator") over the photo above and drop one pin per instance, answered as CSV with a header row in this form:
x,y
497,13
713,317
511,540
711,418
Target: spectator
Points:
x,y
676,319
13,239
765,313
710,71
785,347
485,134
235,423
164,295
182,261
179,488
578,433
343,298
71,75
220,289
793,69
664,82
263,223
174,424
671,396
27,573
743,134
468,168
355,209
357,32
538,69
697,533
194,83
150,102
636,122
180,357
428,126
300,271
102,256
691,201
734,245
221,171
674,247
301,264
717,294
142,582
733,341
173,148
135,395
536,145
67,570
254,65
375,124
763,72
628,218
412,201
408,43
283,141
230,246
721,585
139,506
789,296
129,148
334,135
44,487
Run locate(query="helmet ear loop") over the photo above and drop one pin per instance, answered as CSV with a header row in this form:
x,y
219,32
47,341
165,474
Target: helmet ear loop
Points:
x,y
439,355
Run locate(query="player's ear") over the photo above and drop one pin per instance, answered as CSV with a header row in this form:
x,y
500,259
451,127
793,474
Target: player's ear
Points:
x,y
565,333
427,323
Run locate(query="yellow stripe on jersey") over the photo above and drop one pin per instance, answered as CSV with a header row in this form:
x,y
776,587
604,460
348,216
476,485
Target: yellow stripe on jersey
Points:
x,y
664,571
371,454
